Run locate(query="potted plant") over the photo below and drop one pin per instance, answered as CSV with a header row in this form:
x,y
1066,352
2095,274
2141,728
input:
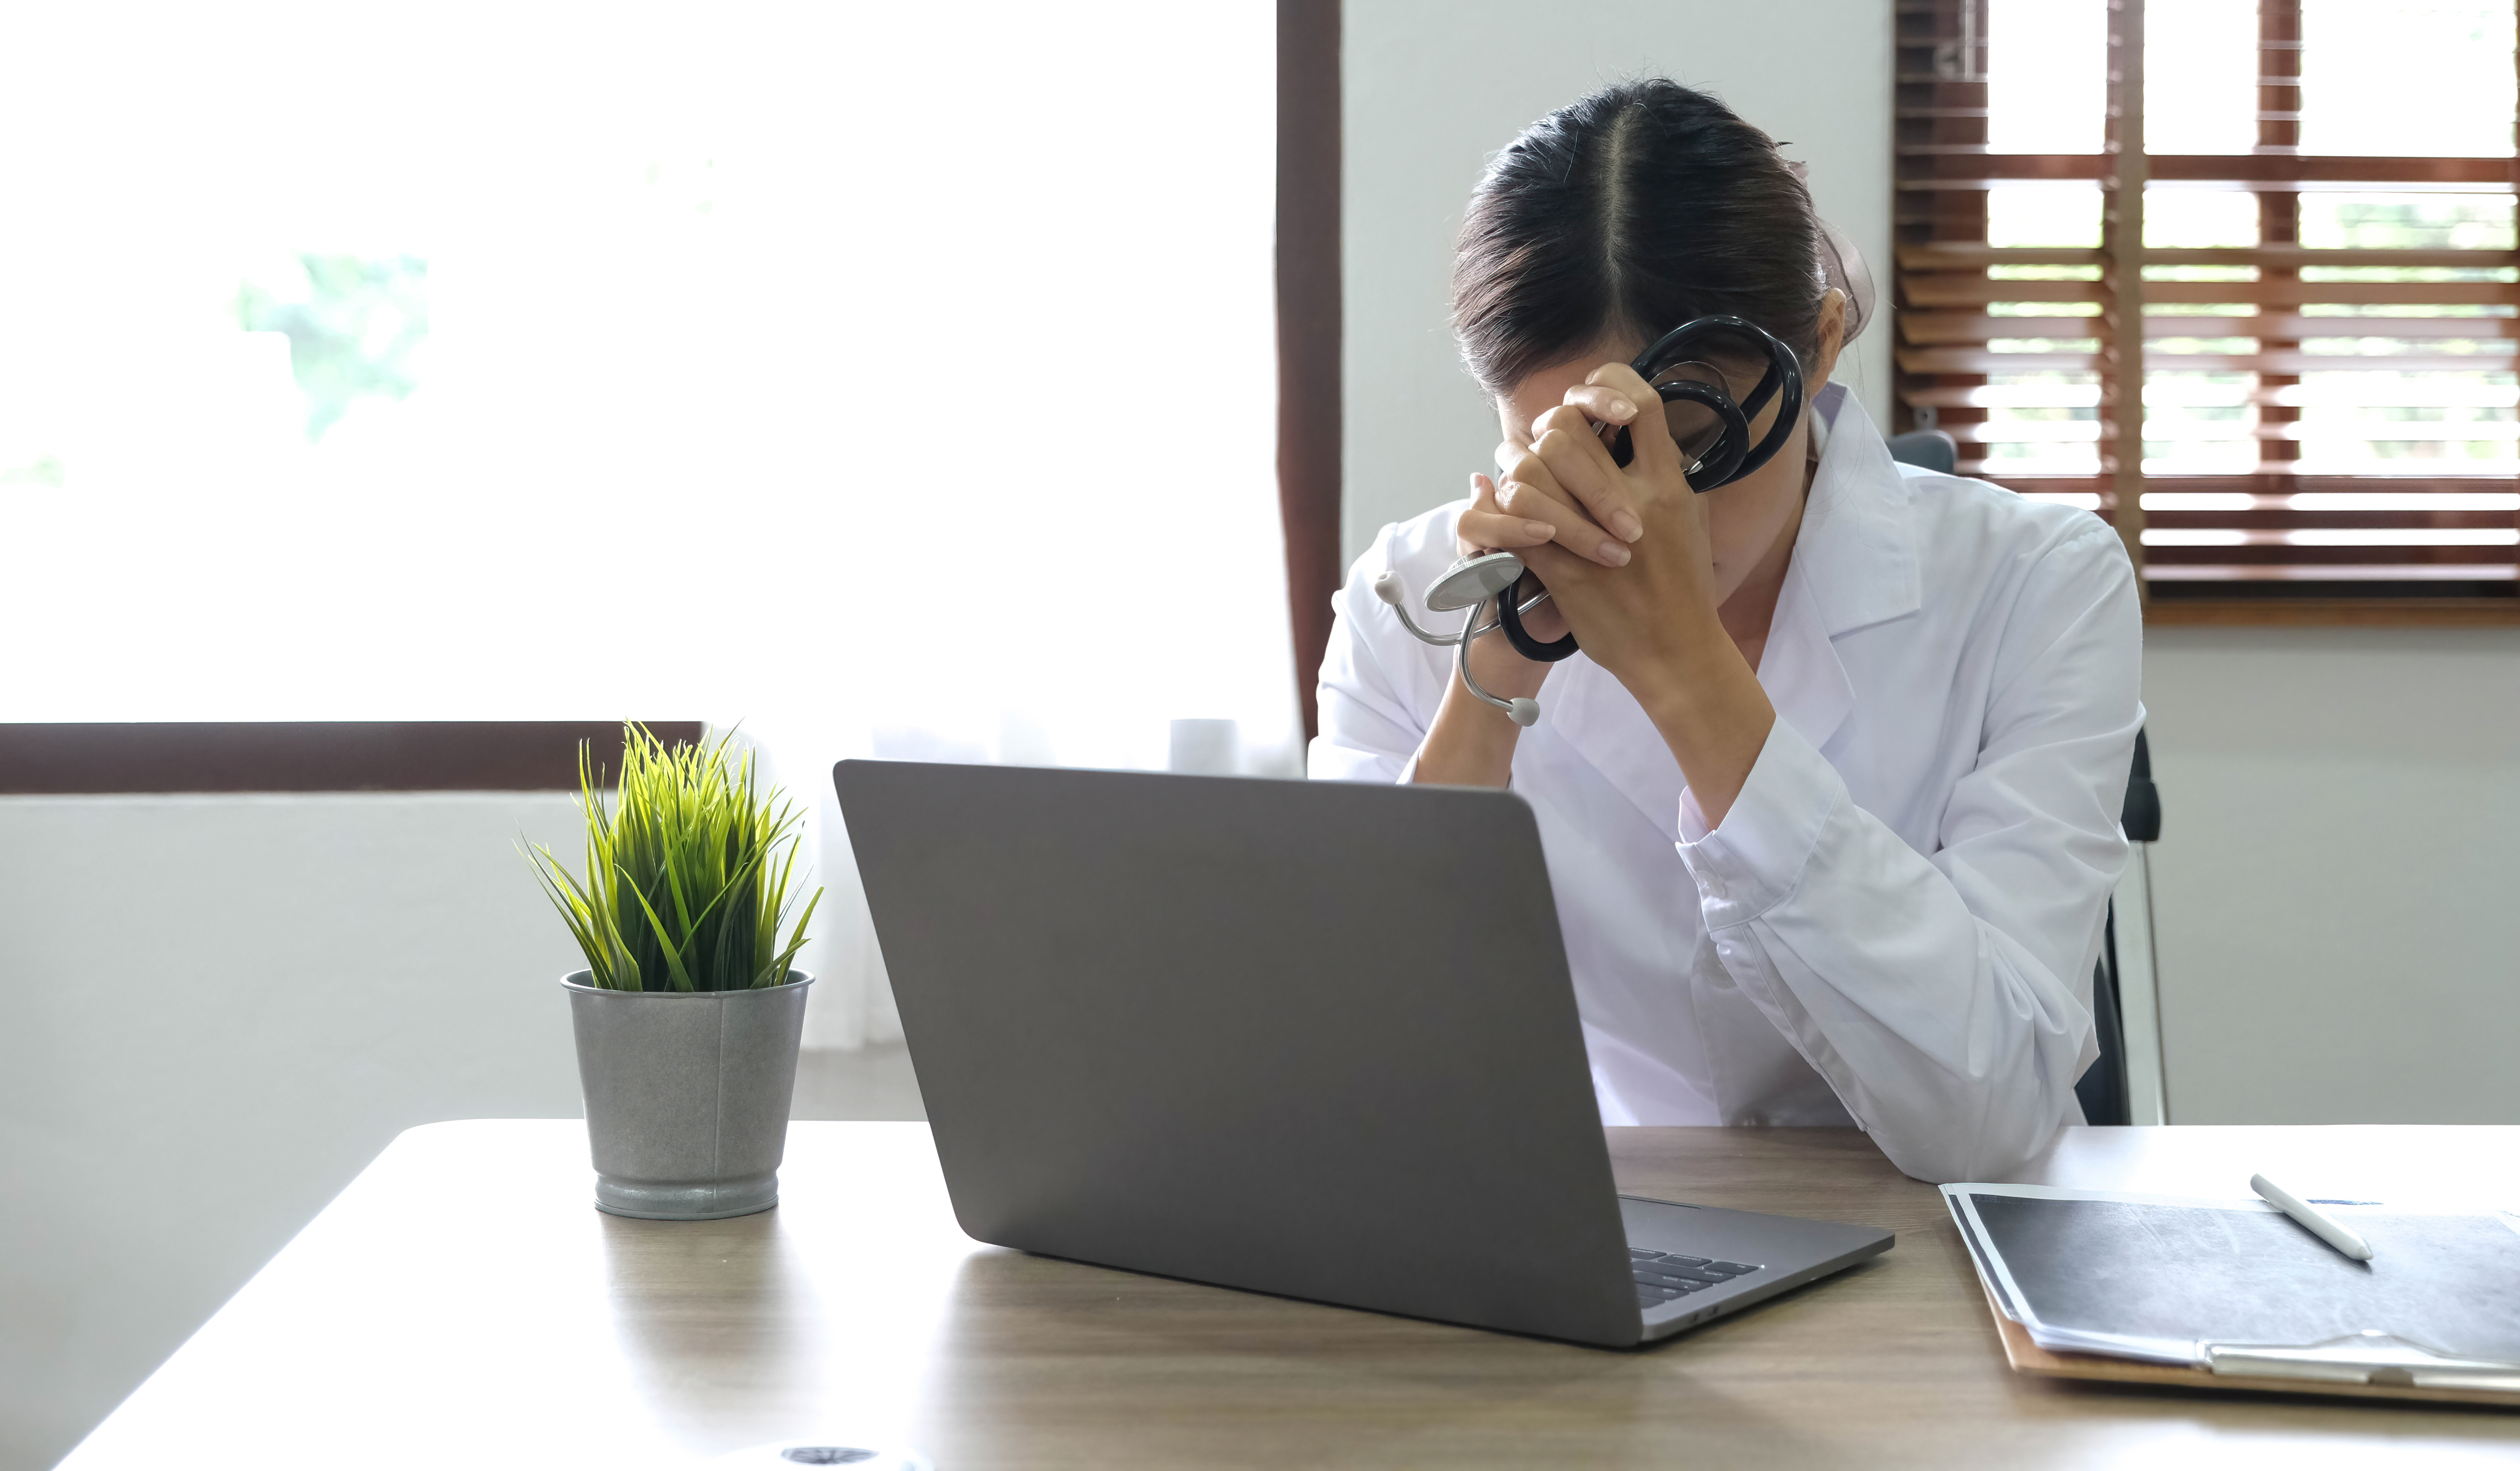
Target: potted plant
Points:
x,y
687,1013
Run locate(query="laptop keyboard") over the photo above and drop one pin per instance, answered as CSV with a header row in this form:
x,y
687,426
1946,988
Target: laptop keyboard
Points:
x,y
1668,1276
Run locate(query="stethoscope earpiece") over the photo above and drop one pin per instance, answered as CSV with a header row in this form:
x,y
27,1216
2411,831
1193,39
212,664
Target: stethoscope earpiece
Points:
x,y
1495,578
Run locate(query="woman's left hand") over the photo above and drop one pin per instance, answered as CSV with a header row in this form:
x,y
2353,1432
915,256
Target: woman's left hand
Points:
x,y
1653,624
1654,619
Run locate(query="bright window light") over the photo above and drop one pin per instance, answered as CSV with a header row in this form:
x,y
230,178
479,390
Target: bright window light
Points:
x,y
2406,536
2183,536
2046,75
2460,49
2413,499
2197,500
860,366
2200,70
2343,536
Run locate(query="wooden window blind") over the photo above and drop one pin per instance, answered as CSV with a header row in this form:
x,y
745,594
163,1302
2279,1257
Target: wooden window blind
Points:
x,y
2280,364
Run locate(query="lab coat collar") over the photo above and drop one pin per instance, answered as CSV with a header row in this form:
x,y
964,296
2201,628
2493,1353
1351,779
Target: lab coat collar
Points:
x,y
1857,550
1853,566
1799,668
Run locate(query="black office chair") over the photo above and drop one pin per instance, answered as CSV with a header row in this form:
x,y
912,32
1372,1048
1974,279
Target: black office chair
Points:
x,y
2103,1089
1930,449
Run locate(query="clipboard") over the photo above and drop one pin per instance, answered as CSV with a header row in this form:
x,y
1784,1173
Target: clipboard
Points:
x,y
2027,1357
2357,1366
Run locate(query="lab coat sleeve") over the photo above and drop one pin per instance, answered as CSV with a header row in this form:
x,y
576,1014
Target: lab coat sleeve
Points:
x,y
1376,689
1946,997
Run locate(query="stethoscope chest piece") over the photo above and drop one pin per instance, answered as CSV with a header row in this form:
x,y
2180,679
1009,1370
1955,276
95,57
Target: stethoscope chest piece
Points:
x,y
1473,580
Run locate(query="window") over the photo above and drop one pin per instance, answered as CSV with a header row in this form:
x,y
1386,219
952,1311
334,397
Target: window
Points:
x,y
808,365
2320,277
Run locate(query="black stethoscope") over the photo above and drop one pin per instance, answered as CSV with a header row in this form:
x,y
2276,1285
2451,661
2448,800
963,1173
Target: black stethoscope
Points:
x,y
1712,431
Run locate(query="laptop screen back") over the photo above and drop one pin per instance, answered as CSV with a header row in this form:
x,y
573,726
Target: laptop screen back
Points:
x,y
1313,1039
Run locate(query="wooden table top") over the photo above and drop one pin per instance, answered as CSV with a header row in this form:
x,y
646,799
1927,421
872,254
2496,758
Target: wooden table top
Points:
x,y
463,1305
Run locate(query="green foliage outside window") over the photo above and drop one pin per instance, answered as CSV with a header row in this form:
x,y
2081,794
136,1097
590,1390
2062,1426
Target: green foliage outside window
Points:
x,y
353,335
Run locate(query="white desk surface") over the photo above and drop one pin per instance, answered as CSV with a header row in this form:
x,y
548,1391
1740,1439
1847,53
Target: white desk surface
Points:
x,y
463,1305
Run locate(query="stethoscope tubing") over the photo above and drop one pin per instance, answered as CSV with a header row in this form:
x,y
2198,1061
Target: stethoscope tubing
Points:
x,y
1509,617
1461,648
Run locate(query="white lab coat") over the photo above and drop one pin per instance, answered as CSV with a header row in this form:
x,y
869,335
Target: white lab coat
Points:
x,y
1896,923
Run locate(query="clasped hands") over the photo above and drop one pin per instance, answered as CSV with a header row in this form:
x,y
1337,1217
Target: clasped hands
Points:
x,y
1623,550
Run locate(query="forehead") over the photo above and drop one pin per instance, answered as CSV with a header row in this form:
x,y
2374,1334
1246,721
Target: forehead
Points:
x,y
1545,388
1549,385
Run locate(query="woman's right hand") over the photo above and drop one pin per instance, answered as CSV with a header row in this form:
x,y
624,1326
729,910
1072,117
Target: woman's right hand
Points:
x,y
1471,742
1487,527
1533,510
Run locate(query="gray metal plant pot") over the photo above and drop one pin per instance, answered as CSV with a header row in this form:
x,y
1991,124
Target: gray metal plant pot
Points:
x,y
686,1094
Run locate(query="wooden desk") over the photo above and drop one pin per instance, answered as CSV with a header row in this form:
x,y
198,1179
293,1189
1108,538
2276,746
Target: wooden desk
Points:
x,y
462,1304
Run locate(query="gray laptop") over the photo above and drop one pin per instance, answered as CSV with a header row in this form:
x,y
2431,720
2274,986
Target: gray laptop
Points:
x,y
1313,1039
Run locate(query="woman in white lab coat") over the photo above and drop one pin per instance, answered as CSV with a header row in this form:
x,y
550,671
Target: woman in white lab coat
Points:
x,y
1829,797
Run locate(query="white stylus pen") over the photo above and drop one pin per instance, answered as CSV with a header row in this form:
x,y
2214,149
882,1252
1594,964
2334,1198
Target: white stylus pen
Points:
x,y
2315,1222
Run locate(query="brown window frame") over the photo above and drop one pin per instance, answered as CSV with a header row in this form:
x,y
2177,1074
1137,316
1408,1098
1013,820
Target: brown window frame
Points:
x,y
149,757
1310,304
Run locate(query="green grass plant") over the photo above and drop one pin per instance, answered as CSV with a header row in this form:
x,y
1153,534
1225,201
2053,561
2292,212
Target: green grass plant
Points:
x,y
688,867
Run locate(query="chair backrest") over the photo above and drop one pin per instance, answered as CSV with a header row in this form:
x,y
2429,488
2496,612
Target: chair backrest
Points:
x,y
1927,449
2142,814
2104,1086
2103,1089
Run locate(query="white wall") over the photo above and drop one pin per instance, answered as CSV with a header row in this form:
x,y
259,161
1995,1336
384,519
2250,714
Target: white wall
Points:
x,y
2336,891
213,1012
1434,87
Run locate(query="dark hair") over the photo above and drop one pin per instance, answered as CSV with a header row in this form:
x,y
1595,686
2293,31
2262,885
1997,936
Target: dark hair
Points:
x,y
1628,212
